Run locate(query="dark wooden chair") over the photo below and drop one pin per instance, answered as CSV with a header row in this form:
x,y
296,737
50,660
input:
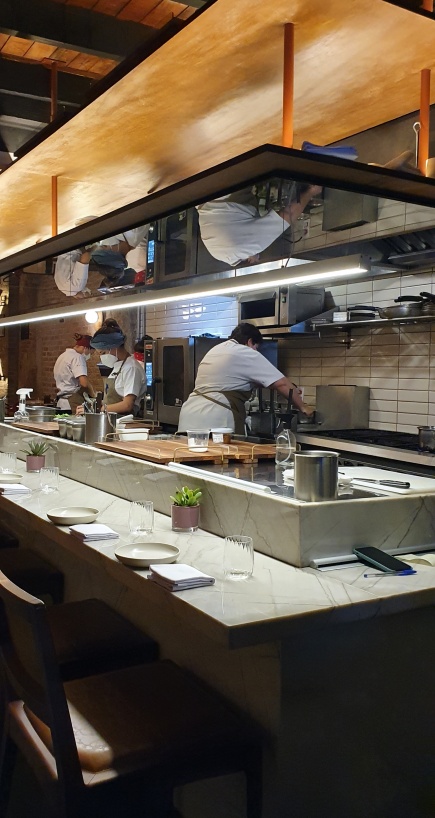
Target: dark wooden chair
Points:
x,y
8,540
117,743
32,573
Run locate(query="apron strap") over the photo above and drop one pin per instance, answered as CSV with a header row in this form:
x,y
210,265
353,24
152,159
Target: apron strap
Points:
x,y
236,398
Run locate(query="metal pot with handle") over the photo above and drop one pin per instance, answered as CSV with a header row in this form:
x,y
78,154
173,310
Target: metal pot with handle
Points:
x,y
408,306
428,306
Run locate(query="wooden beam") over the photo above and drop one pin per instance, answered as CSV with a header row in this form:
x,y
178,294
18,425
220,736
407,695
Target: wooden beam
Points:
x,y
423,137
288,86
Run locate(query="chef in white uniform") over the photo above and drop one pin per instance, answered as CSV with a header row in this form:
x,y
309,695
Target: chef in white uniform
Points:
x,y
226,376
126,385
233,230
128,249
71,374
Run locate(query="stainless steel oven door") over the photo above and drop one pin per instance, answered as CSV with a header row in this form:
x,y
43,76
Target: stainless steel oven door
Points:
x,y
175,376
260,308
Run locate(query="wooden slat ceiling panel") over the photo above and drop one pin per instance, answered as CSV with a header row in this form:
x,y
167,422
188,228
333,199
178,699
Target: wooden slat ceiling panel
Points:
x,y
40,51
16,47
137,10
163,13
218,83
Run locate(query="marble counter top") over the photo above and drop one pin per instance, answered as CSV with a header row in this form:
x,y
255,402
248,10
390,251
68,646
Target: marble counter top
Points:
x,y
277,600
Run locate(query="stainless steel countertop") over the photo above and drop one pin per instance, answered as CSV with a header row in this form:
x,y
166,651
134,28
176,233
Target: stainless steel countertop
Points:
x,y
404,456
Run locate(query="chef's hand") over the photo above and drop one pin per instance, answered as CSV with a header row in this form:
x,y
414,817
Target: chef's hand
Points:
x,y
80,410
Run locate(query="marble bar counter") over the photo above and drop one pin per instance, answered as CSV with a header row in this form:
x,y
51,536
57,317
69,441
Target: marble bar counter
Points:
x,y
293,532
316,658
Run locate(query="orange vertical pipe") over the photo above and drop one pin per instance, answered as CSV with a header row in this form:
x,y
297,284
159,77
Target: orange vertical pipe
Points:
x,y
288,85
423,141
427,5
54,222
53,91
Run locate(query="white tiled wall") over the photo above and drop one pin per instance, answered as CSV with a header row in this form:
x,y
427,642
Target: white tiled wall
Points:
x,y
218,316
396,362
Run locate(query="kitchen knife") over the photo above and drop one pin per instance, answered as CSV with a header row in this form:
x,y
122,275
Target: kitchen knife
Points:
x,y
398,484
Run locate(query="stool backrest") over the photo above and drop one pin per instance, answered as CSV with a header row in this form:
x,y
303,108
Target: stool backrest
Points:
x,y
31,667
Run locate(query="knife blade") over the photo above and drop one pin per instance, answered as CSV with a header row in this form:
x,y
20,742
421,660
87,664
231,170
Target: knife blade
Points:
x,y
399,484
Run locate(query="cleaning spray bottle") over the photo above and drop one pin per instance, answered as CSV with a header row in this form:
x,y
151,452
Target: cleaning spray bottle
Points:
x,y
22,413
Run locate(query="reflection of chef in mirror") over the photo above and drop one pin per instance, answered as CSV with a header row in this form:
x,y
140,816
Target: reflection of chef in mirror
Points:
x,y
233,230
125,386
111,256
71,374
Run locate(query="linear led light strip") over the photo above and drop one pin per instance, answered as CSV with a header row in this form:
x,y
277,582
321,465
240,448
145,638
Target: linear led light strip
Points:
x,y
318,271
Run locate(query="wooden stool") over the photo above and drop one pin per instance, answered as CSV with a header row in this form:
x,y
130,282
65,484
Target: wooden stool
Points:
x,y
120,742
30,572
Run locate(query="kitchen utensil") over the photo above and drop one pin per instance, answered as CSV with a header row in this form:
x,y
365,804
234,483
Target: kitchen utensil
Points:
x,y
426,438
62,423
79,431
72,515
89,403
39,414
133,434
408,306
398,484
362,313
428,306
99,425
416,128
316,476
144,554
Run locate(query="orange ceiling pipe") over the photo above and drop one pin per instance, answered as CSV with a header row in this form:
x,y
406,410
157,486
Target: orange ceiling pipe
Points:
x,y
423,137
288,86
427,5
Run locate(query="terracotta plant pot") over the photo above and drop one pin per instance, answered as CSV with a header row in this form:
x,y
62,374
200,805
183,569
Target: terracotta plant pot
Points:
x,y
35,462
185,518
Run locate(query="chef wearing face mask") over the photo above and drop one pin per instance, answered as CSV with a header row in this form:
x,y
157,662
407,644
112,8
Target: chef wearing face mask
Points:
x,y
126,385
71,374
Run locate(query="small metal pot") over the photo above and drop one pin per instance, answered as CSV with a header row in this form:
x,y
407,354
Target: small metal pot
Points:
x,y
316,476
39,414
79,431
426,438
62,423
408,306
97,426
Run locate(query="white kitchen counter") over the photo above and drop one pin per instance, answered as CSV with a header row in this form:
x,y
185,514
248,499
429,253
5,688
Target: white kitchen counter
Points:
x,y
314,657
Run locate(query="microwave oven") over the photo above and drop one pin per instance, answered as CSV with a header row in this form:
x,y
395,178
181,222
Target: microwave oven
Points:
x,y
281,306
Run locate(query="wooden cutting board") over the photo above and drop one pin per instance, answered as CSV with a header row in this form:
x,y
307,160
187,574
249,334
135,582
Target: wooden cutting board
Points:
x,y
166,451
44,427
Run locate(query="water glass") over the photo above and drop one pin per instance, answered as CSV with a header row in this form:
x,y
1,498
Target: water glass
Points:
x,y
8,462
141,517
238,557
49,479
197,440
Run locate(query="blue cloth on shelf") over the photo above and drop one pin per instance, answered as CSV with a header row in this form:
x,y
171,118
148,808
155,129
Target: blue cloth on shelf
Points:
x,y
341,152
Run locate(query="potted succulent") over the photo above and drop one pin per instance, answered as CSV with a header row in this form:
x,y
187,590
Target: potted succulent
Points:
x,y
185,509
35,454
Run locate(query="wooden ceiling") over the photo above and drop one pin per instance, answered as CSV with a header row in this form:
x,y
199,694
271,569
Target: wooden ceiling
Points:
x,y
214,91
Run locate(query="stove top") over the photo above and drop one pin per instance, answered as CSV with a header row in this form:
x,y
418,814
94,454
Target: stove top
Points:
x,y
378,437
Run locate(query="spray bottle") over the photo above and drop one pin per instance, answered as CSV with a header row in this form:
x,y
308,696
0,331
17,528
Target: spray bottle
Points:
x,y
22,413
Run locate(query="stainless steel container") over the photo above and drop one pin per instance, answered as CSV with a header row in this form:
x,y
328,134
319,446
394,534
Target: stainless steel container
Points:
x,y
342,407
426,438
316,476
38,414
2,409
99,425
69,429
62,423
79,430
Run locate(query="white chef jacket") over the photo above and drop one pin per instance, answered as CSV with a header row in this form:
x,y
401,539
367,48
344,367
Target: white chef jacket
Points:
x,y
226,367
71,276
128,378
69,367
233,231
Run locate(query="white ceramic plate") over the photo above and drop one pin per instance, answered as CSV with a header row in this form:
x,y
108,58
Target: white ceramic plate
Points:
x,y
10,477
144,554
72,515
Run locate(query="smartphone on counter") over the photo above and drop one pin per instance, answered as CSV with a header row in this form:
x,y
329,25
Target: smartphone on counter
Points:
x,y
379,559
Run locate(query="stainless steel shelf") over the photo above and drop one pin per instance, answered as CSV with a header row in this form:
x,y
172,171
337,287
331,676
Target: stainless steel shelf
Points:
x,y
373,322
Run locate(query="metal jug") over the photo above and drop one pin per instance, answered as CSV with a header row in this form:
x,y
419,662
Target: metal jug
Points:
x,y
99,425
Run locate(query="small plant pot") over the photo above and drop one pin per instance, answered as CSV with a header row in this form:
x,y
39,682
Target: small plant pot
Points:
x,y
35,463
185,518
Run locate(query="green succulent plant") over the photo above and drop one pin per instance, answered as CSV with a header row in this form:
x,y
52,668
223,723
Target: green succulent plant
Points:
x,y
36,448
186,497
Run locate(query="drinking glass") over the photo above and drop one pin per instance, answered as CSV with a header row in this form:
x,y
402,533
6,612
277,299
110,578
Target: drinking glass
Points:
x,y
238,557
141,517
197,440
8,462
49,479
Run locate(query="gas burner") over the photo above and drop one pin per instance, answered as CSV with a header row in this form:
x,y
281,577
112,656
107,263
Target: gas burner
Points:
x,y
378,437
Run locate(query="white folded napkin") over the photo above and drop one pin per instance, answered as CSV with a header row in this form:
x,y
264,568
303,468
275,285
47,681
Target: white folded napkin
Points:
x,y
179,577
88,532
13,488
